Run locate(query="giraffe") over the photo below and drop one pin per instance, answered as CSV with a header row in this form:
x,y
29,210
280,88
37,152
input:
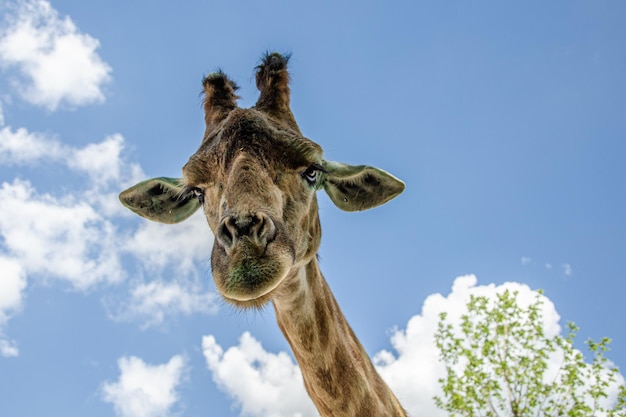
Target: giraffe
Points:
x,y
255,176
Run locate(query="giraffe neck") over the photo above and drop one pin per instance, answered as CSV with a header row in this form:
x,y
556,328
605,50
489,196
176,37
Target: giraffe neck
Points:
x,y
338,374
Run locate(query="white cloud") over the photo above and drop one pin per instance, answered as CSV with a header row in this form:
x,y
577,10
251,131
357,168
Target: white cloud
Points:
x,y
8,348
23,147
151,303
107,172
567,269
526,260
414,371
157,247
72,236
12,285
61,237
262,383
256,379
101,161
57,63
183,244
145,390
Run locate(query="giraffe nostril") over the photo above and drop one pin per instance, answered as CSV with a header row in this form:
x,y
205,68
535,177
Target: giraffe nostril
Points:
x,y
263,228
226,232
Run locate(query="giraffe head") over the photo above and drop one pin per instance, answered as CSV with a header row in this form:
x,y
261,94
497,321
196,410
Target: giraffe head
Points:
x,y
255,177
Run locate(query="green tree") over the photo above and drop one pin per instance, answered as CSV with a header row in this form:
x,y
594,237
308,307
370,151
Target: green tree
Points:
x,y
499,362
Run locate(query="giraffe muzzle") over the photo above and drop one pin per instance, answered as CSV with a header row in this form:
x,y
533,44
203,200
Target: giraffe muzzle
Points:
x,y
257,228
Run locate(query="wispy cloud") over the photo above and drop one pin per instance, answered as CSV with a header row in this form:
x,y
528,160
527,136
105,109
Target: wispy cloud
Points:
x,y
255,378
8,348
185,247
145,390
19,146
101,162
567,269
73,236
56,63
153,302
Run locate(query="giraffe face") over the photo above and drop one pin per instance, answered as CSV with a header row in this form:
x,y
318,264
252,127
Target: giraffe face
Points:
x,y
256,184
255,177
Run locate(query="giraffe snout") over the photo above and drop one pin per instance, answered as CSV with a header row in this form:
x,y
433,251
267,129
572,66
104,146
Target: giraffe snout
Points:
x,y
257,227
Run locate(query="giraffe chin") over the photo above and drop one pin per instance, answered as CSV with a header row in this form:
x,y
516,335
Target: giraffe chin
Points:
x,y
248,281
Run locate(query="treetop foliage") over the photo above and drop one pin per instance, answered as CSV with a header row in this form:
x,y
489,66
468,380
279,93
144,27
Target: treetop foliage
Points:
x,y
499,362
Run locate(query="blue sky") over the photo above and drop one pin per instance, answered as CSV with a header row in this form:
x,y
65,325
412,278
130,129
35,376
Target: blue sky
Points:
x,y
506,120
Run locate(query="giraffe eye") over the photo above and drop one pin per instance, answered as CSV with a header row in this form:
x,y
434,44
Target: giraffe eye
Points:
x,y
199,194
311,174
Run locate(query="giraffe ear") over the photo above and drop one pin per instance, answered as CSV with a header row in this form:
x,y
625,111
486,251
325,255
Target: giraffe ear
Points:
x,y
164,200
355,188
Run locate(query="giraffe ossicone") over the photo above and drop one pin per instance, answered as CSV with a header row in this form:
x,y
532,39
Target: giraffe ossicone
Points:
x,y
255,176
